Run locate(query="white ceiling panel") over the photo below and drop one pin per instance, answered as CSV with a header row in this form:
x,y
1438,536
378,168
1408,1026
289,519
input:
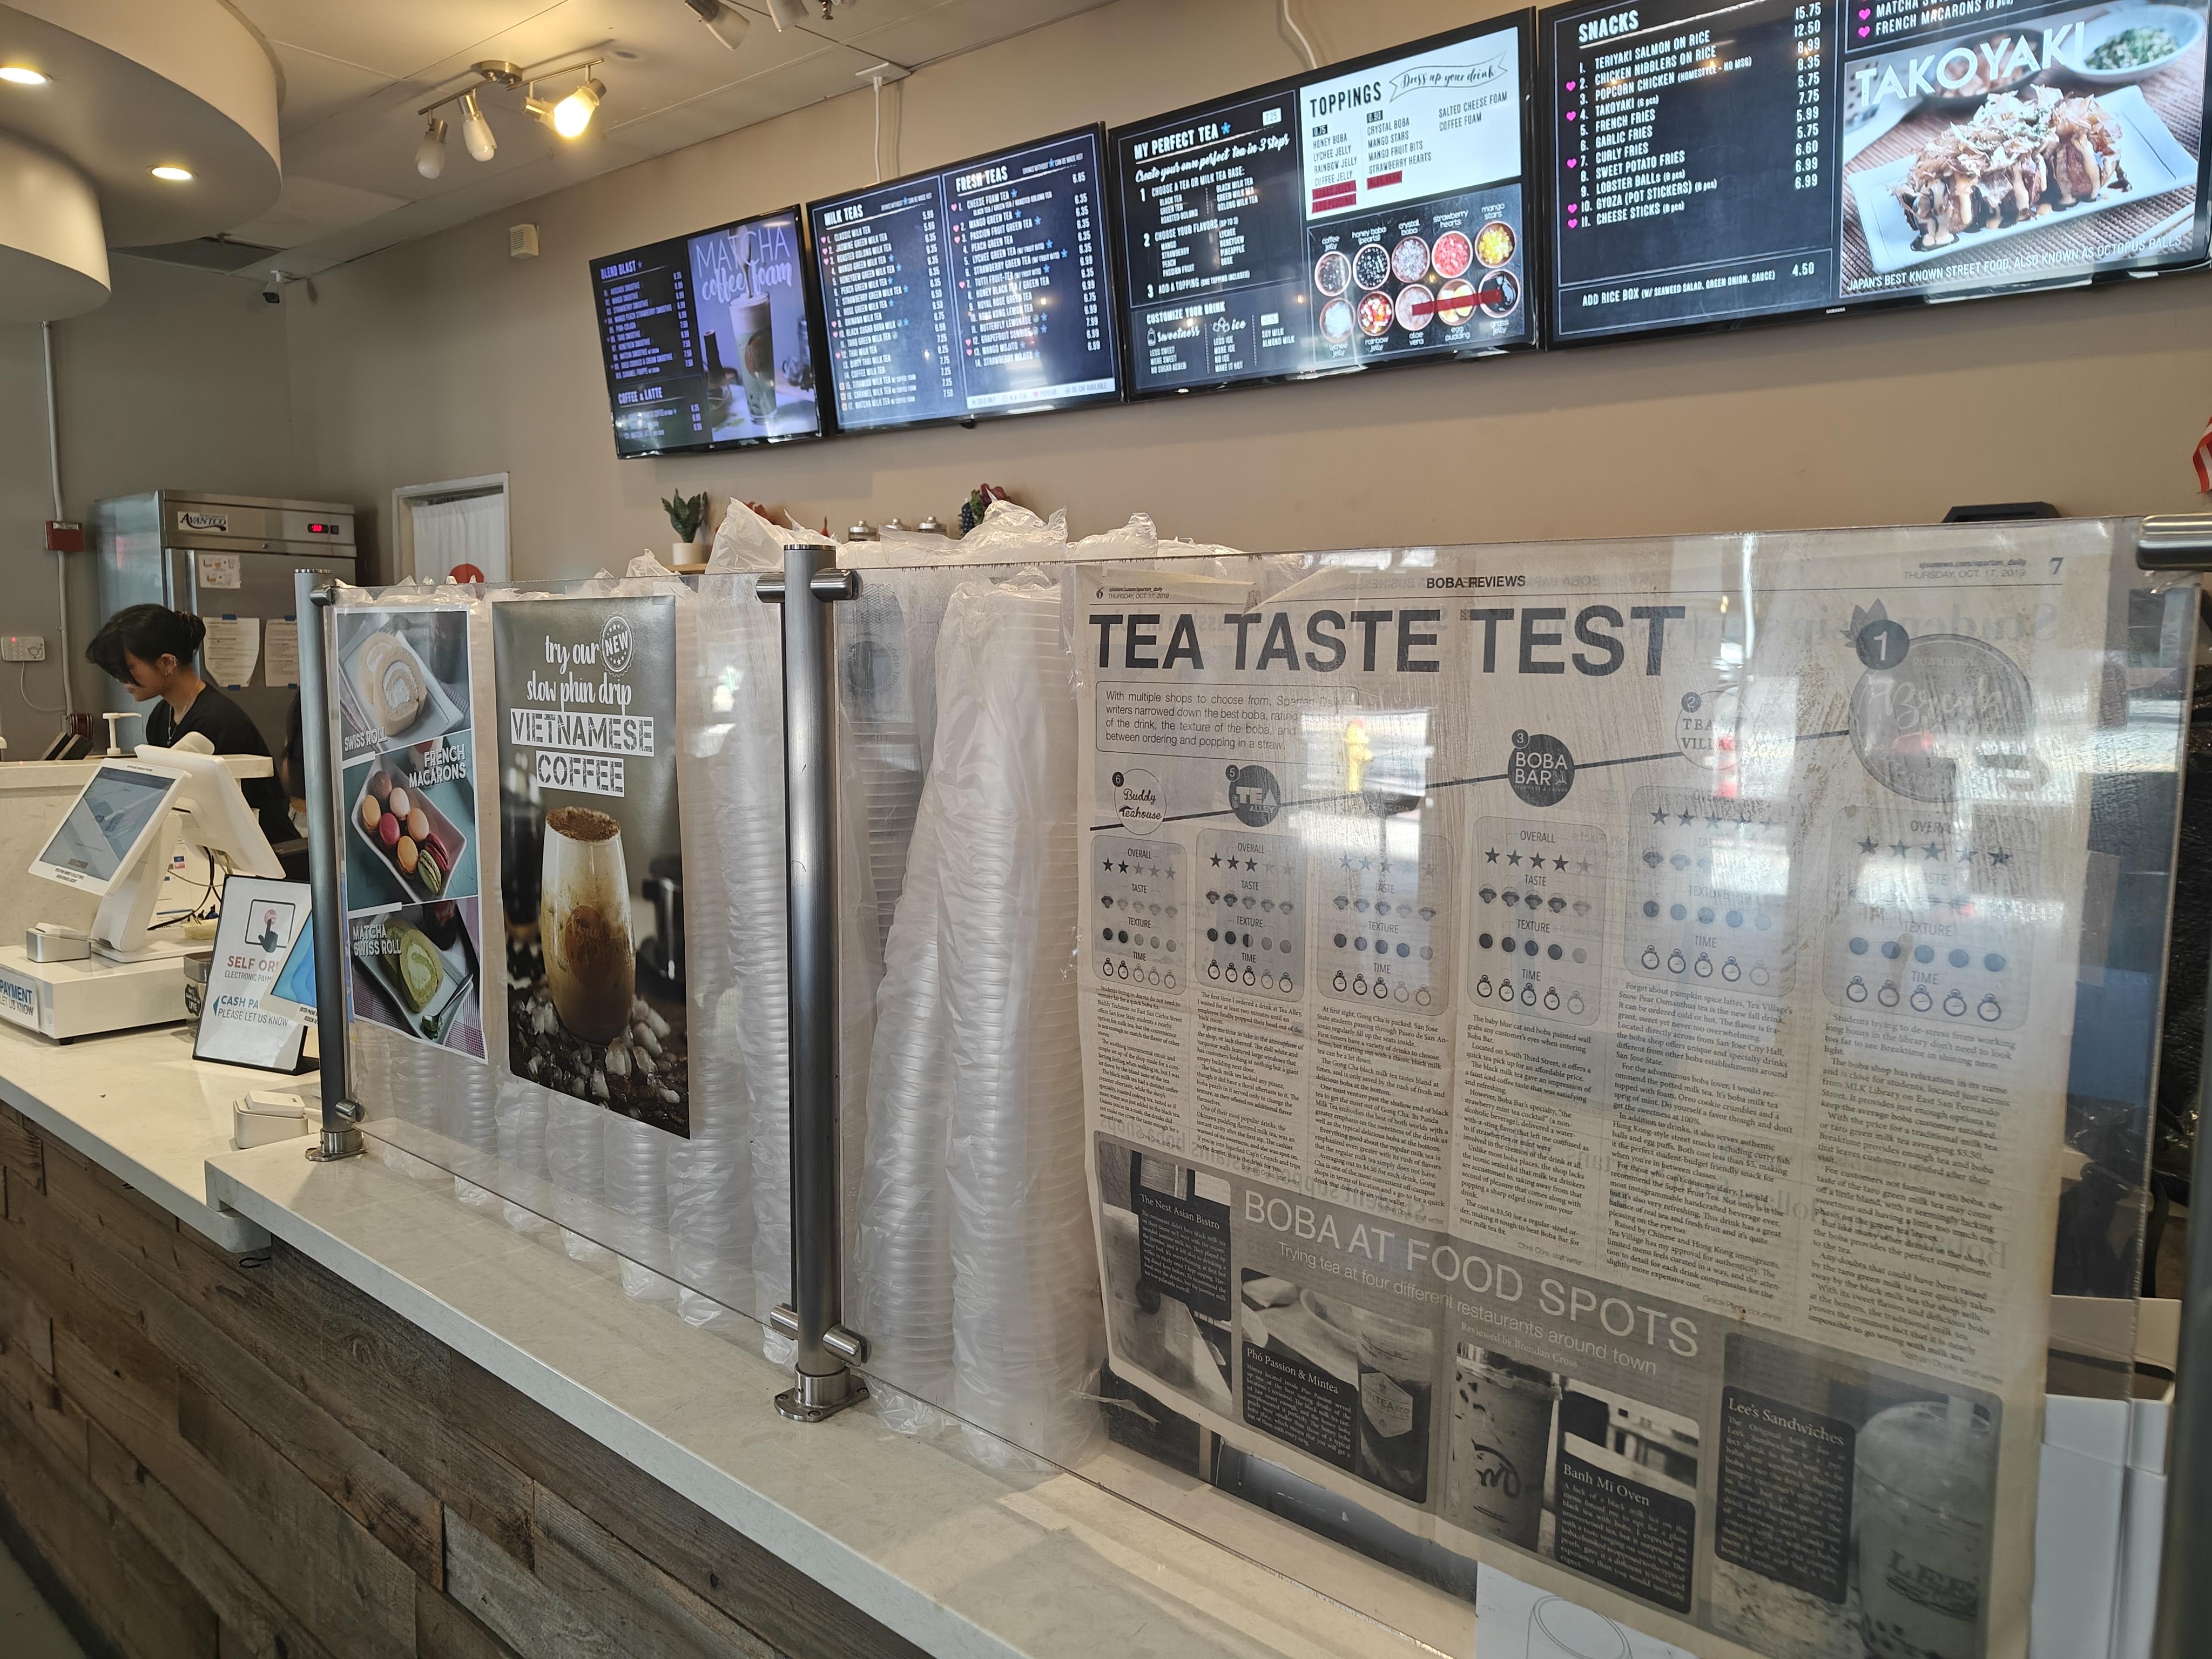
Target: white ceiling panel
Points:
x,y
358,71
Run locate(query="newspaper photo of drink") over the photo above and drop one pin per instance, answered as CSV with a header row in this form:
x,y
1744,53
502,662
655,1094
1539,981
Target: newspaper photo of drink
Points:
x,y
587,694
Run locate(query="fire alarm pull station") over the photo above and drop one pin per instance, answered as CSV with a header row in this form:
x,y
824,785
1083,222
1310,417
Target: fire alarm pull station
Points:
x,y
64,536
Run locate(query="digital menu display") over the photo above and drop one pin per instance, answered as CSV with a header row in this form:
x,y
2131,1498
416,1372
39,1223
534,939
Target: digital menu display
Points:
x,y
1366,212
979,289
1713,164
707,339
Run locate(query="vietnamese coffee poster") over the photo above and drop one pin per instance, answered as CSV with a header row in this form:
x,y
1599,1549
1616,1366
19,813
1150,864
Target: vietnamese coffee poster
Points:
x,y
407,776
592,852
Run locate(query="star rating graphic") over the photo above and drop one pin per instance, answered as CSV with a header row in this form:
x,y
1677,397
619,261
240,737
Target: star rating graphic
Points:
x,y
1513,857
1870,845
1489,855
1559,864
1659,816
1217,861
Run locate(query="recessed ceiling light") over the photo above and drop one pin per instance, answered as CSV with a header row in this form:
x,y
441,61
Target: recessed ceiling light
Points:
x,y
22,76
173,175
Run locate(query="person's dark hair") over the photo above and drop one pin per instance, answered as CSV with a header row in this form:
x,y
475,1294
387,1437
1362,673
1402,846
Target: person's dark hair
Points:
x,y
147,632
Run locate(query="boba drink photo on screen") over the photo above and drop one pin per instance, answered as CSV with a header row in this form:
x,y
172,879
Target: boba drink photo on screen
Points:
x,y
587,694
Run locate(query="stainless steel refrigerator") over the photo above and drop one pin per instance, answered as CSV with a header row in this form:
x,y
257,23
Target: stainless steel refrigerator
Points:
x,y
229,560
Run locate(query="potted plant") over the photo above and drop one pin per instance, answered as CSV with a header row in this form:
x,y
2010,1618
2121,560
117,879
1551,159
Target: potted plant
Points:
x,y
687,514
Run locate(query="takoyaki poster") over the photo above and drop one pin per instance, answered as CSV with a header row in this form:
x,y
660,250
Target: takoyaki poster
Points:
x,y
407,747
1577,1039
591,868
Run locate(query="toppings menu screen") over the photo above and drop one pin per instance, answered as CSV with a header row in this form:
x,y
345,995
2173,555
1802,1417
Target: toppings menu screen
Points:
x,y
1712,164
1366,212
707,338
978,290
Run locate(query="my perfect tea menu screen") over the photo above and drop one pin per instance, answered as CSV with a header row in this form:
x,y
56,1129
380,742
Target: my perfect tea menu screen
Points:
x,y
1366,213
1713,163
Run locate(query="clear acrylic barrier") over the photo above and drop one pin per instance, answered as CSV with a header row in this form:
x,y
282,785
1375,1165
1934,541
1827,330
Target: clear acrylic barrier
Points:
x,y
1763,1162
1674,1224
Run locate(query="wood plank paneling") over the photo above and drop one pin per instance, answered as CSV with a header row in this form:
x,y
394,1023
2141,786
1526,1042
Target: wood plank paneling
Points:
x,y
222,1457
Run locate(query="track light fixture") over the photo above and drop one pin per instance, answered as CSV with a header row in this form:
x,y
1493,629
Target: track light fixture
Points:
x,y
786,14
476,132
569,117
725,22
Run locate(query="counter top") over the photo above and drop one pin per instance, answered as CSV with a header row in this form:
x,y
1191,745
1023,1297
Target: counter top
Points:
x,y
138,1105
965,1563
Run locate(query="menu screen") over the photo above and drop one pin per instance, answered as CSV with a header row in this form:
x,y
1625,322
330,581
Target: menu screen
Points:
x,y
1364,213
1715,164
979,289
707,338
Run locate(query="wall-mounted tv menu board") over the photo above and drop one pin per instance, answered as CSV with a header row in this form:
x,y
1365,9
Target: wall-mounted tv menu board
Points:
x,y
979,289
1716,163
708,339
1368,212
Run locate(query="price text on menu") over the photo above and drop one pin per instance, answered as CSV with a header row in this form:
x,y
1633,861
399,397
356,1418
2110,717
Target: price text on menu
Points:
x,y
654,379
1716,163
979,289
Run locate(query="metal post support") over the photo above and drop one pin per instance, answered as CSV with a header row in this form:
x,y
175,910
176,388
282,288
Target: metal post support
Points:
x,y
341,1136
825,1383
2183,542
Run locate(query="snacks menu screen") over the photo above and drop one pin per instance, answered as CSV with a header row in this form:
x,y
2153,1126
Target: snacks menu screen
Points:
x,y
707,338
980,290
1715,164
1364,213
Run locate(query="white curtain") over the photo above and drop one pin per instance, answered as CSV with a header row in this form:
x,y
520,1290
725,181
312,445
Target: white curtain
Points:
x,y
471,530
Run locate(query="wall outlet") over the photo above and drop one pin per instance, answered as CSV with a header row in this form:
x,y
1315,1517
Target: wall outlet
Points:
x,y
22,648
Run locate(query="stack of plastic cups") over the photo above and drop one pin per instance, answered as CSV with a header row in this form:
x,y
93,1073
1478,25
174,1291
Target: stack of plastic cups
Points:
x,y
521,1110
1028,1325
874,684
903,1253
710,1221
575,1159
635,1186
747,793
474,1087
369,1076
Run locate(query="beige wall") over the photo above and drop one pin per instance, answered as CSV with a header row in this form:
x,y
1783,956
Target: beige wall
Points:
x,y
179,380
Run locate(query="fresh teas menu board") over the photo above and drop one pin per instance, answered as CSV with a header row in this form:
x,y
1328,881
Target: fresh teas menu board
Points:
x,y
1367,212
708,340
1713,164
978,290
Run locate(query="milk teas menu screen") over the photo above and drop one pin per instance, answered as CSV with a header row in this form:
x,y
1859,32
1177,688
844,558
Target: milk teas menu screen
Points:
x,y
1370,212
707,338
1715,163
977,290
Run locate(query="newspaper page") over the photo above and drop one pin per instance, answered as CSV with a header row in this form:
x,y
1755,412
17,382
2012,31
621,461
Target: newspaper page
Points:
x,y
1577,1044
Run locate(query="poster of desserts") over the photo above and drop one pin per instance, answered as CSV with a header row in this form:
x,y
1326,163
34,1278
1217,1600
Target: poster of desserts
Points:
x,y
407,782
592,859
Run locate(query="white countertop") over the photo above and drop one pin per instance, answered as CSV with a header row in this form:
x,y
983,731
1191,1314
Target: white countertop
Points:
x,y
138,1105
964,1562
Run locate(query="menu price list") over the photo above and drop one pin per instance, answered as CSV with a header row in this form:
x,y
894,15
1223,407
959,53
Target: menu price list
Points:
x,y
1213,245
646,333
1693,177
979,289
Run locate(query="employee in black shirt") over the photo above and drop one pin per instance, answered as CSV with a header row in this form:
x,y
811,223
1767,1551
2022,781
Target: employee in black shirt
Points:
x,y
151,649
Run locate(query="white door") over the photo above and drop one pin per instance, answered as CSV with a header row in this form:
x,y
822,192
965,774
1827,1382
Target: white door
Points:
x,y
442,526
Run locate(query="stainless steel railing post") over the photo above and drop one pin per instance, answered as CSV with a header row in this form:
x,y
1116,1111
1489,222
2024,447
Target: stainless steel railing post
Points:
x,y
825,1383
341,1135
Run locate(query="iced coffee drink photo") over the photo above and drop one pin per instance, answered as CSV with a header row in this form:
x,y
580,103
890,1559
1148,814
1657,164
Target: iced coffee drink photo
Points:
x,y
584,925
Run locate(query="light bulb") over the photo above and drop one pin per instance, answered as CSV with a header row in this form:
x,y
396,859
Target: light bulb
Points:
x,y
430,154
574,113
19,75
169,175
476,132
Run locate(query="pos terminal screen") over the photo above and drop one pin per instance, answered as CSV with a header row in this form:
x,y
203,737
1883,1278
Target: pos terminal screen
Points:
x,y
106,821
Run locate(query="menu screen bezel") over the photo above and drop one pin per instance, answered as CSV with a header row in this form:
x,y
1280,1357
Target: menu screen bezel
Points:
x,y
2198,256
1108,254
1536,198
811,297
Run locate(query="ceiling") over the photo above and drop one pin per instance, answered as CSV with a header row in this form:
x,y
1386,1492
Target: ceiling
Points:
x,y
354,72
